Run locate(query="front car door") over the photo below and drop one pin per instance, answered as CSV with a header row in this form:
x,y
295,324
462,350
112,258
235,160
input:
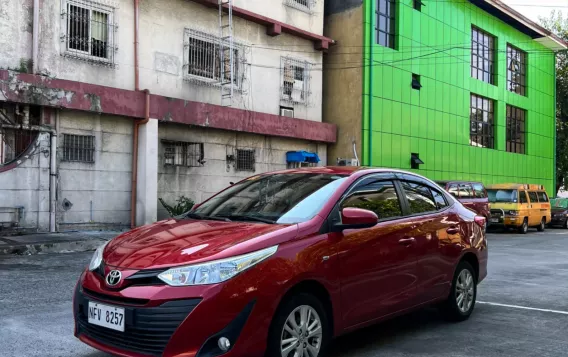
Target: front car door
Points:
x,y
377,265
524,206
534,209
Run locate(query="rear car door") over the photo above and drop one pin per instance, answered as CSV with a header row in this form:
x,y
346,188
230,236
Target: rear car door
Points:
x,y
481,200
466,196
377,265
534,209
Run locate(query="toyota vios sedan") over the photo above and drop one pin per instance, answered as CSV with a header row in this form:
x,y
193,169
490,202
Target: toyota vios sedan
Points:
x,y
280,263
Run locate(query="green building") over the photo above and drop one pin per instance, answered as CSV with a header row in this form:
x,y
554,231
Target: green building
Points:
x,y
451,89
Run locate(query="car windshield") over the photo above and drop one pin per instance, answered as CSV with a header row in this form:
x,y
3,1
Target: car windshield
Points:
x,y
278,198
559,203
503,196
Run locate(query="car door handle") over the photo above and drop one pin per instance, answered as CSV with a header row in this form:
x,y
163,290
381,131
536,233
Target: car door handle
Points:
x,y
453,230
407,241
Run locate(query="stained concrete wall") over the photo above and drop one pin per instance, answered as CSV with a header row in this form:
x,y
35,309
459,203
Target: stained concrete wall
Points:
x,y
343,99
199,183
106,182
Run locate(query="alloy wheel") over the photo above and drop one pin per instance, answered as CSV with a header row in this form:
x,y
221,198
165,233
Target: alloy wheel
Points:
x,y
465,291
302,333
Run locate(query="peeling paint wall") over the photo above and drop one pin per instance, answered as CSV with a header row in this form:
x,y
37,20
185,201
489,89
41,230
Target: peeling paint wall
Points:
x,y
199,183
106,182
16,18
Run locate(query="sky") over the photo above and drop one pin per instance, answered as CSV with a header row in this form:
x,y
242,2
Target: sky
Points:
x,y
533,9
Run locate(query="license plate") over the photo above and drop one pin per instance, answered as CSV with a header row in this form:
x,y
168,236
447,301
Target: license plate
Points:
x,y
494,220
106,316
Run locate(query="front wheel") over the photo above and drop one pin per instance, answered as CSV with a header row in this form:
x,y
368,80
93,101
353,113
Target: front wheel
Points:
x,y
542,225
461,302
525,227
300,328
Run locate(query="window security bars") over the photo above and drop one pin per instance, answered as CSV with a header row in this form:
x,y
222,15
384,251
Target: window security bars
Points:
x,y
481,122
89,31
303,5
516,70
516,129
202,59
295,81
385,25
482,56
178,153
245,160
78,148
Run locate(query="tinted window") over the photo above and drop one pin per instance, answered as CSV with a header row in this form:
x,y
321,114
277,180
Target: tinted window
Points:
x,y
523,196
466,191
377,196
478,190
532,197
453,190
439,199
542,197
419,198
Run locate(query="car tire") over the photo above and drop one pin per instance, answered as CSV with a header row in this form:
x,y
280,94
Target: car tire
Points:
x,y
461,302
565,224
524,228
541,227
292,308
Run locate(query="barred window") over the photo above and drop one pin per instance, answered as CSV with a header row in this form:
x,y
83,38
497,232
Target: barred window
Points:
x,y
78,148
245,160
304,5
516,70
295,80
385,26
89,31
203,59
179,153
482,55
516,129
481,122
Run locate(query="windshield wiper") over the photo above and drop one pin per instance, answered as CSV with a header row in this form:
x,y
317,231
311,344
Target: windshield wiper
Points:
x,y
210,218
250,218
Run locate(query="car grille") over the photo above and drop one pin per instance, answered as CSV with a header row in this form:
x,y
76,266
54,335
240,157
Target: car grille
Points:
x,y
147,329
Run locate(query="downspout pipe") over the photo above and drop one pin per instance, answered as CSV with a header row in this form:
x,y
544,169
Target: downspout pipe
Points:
x,y
52,183
35,39
371,64
136,44
134,187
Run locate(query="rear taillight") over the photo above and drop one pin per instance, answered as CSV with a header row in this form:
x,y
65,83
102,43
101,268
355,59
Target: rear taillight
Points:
x,y
480,220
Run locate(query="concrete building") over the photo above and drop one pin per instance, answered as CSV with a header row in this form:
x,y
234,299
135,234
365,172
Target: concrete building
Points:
x,y
454,90
100,97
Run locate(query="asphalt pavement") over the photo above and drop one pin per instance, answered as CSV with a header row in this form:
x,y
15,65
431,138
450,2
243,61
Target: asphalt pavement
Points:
x,y
522,308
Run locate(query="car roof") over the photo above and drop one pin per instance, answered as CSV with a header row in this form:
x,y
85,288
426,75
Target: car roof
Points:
x,y
341,170
516,186
445,182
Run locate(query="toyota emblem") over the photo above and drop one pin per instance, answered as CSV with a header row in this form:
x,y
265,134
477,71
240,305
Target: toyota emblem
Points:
x,y
113,278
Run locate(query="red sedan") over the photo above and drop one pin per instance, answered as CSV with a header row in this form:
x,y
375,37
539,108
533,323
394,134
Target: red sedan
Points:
x,y
280,263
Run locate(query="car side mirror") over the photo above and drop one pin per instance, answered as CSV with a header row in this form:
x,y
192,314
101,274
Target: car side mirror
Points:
x,y
356,218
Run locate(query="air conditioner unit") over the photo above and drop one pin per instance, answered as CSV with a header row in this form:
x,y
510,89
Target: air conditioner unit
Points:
x,y
286,112
298,91
347,162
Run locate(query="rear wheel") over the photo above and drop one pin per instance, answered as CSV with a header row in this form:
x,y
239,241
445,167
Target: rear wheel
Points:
x,y
299,328
523,229
565,224
461,302
542,225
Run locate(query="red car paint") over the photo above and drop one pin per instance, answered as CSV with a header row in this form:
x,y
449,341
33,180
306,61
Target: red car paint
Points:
x,y
471,194
369,274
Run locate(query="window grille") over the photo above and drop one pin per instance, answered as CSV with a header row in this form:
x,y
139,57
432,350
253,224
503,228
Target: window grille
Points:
x,y
303,5
202,59
15,140
515,129
516,70
386,21
482,55
295,79
178,153
89,31
481,122
245,160
78,148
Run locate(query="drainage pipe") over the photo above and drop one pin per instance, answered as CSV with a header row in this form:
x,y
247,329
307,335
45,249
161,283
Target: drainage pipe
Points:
x,y
53,182
135,160
35,40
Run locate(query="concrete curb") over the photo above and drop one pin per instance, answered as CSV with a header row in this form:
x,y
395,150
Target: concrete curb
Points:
x,y
71,246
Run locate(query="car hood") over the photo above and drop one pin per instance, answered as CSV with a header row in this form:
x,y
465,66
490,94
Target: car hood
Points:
x,y
180,242
505,206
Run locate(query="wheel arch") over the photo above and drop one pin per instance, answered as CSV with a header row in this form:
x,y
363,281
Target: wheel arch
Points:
x,y
472,259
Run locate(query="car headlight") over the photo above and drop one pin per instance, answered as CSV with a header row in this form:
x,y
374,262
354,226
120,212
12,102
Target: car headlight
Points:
x,y
97,258
216,271
513,213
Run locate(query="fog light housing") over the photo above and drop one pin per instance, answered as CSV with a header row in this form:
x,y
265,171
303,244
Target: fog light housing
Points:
x,y
224,344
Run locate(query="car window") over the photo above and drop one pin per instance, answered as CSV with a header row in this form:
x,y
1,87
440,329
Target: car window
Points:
x,y
453,190
523,197
532,197
478,190
466,191
542,197
420,199
502,195
439,199
377,196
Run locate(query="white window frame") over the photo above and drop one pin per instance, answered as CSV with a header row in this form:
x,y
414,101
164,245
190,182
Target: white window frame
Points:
x,y
300,92
214,40
91,6
297,4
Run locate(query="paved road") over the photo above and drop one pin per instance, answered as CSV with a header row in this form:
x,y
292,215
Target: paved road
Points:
x,y
525,272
